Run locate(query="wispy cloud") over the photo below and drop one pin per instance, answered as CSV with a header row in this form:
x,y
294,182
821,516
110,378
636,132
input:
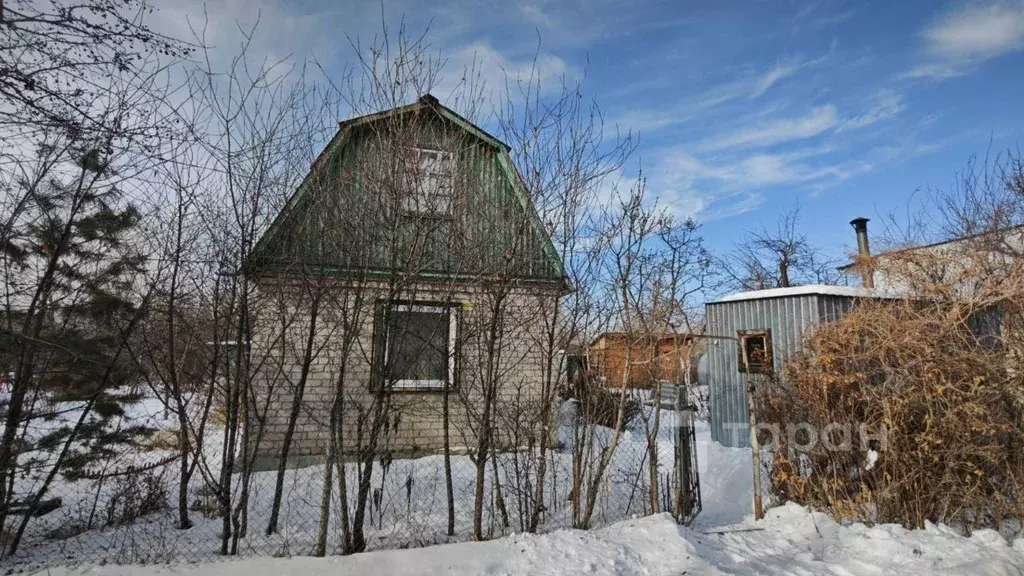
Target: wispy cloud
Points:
x,y
783,68
969,34
749,87
935,71
681,170
733,205
718,188
536,15
279,31
781,71
886,104
815,122
492,68
690,108
816,15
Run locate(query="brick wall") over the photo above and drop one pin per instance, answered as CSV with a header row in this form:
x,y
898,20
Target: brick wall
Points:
x,y
410,422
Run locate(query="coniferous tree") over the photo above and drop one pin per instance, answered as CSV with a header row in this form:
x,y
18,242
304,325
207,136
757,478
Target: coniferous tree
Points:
x,y
74,297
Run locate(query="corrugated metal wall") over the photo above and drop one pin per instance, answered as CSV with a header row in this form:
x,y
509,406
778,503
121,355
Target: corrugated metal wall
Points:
x,y
789,318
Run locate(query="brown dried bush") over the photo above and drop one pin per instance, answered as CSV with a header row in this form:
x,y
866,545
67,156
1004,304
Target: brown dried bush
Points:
x,y
947,399
938,370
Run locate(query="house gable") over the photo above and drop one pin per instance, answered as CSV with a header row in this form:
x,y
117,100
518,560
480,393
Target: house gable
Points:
x,y
350,215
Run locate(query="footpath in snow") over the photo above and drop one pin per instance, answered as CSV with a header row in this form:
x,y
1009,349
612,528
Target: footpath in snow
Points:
x,y
790,540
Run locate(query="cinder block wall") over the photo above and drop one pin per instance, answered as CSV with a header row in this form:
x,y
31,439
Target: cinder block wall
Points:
x,y
412,420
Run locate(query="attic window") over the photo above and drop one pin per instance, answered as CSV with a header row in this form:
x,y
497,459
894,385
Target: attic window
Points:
x,y
430,182
755,351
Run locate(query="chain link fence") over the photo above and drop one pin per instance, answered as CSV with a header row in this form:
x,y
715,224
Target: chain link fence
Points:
x,y
125,507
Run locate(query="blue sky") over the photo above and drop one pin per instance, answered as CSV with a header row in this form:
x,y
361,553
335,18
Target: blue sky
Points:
x,y
743,109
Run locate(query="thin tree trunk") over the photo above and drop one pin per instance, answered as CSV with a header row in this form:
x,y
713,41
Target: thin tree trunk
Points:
x,y
486,428
550,378
293,417
346,532
367,456
338,437
652,450
449,487
499,498
320,547
362,494
606,457
184,522
228,454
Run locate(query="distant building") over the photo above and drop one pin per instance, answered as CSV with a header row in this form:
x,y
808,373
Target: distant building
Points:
x,y
754,333
650,357
938,260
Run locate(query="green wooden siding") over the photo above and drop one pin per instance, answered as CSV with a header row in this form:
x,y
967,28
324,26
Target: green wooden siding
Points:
x,y
347,214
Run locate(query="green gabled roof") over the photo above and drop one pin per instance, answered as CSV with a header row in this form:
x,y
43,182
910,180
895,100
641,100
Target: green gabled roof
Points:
x,y
296,208
427,101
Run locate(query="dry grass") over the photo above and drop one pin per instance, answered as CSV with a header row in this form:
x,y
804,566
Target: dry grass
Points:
x,y
165,439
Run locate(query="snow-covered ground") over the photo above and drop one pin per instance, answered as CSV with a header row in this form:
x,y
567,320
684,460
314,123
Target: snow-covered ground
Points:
x,y
790,540
407,507
99,520
724,540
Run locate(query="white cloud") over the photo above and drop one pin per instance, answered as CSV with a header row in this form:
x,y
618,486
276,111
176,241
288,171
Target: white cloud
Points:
x,y
718,189
695,107
977,31
969,34
492,68
732,206
681,169
933,71
815,122
886,104
780,71
279,29
535,15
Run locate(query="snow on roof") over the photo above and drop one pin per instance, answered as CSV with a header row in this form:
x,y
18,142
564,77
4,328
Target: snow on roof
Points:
x,y
818,289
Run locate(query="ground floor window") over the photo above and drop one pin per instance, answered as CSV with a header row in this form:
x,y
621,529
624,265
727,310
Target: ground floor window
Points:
x,y
419,346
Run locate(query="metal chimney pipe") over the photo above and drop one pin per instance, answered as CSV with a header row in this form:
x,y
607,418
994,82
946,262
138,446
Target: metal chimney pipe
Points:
x,y
860,225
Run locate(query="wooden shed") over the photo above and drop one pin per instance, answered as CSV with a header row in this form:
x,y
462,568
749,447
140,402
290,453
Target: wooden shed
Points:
x,y
650,357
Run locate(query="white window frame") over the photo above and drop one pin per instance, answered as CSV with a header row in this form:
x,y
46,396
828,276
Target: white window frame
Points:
x,y
450,353
421,198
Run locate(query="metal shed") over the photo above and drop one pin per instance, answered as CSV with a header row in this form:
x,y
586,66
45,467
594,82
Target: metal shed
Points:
x,y
781,318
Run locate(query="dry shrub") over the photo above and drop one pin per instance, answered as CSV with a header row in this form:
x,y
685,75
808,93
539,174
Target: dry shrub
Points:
x,y
949,403
599,405
134,496
165,439
219,414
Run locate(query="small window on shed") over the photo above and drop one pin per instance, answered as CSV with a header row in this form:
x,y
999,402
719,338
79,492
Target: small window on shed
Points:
x,y
755,351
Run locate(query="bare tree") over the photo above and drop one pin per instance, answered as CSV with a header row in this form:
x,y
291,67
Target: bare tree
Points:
x,y
777,258
56,59
566,158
